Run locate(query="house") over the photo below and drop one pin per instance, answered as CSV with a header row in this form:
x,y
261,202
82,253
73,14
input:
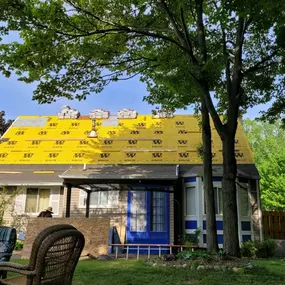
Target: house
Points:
x,y
142,171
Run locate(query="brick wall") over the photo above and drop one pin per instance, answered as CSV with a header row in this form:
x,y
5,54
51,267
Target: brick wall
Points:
x,y
116,213
95,231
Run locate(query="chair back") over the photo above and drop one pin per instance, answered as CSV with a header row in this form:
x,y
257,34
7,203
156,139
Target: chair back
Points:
x,y
38,242
8,239
57,258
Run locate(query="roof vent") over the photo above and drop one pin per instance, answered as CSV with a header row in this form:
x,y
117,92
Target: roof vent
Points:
x,y
92,134
68,113
157,114
99,114
127,114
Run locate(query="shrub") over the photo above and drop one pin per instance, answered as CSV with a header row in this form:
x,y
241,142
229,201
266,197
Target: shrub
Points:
x,y
187,255
266,248
19,245
261,249
249,249
192,238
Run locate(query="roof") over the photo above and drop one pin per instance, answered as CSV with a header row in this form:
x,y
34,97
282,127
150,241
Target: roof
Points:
x,y
248,171
34,140
122,172
18,175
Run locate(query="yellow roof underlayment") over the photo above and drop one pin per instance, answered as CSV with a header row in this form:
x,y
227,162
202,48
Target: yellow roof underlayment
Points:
x,y
143,140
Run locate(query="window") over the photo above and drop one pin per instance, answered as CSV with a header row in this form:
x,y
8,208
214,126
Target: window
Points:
x,y
37,200
244,202
218,201
138,211
190,201
99,198
157,223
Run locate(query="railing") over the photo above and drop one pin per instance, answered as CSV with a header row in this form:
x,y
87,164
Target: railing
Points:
x,y
159,247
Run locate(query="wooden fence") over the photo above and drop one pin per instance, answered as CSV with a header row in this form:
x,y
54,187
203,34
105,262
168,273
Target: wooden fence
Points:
x,y
273,224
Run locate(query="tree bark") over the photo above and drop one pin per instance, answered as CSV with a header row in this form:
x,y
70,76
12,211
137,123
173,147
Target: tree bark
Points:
x,y
211,229
230,217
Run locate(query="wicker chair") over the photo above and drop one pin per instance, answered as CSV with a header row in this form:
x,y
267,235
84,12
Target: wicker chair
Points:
x,y
53,259
7,243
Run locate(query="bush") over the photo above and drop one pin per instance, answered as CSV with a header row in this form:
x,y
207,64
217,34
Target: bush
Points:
x,y
266,248
187,255
261,249
19,245
192,238
249,249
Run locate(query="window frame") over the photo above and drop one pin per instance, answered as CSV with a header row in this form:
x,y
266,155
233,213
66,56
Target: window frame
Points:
x,y
83,196
38,196
152,214
216,184
189,185
240,189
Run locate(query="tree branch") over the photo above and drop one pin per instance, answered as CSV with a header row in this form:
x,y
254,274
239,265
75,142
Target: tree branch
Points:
x,y
186,32
260,65
203,82
179,34
226,53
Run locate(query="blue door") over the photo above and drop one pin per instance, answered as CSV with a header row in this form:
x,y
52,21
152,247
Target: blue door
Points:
x,y
148,217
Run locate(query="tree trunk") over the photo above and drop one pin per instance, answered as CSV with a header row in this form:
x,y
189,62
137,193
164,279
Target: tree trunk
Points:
x,y
211,228
230,216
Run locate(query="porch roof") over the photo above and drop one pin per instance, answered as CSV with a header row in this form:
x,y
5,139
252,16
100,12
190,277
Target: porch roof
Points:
x,y
123,174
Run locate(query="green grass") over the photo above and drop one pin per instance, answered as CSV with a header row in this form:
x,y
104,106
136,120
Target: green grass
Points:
x,y
137,273
131,272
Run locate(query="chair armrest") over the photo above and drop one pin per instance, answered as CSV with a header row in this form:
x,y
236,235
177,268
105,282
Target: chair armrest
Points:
x,y
5,254
17,268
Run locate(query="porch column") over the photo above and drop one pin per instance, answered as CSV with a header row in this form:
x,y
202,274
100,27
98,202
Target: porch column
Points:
x,y
68,200
87,204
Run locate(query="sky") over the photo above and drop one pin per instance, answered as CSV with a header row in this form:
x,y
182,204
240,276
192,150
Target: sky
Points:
x,y
16,99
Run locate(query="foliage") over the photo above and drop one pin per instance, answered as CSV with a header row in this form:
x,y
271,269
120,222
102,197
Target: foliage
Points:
x,y
4,124
267,143
248,249
266,248
19,221
19,245
183,50
192,238
7,197
261,249
187,254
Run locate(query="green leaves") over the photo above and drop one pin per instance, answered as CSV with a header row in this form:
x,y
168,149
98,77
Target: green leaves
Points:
x,y
4,124
267,143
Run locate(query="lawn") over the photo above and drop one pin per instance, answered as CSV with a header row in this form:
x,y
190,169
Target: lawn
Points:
x,y
137,272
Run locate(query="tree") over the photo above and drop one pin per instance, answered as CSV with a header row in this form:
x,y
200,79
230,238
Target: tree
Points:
x,y
229,49
7,197
4,125
267,143
171,91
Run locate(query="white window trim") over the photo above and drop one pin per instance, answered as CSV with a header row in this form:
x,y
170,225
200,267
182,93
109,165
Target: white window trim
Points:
x,y
51,188
187,185
217,184
26,196
240,189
